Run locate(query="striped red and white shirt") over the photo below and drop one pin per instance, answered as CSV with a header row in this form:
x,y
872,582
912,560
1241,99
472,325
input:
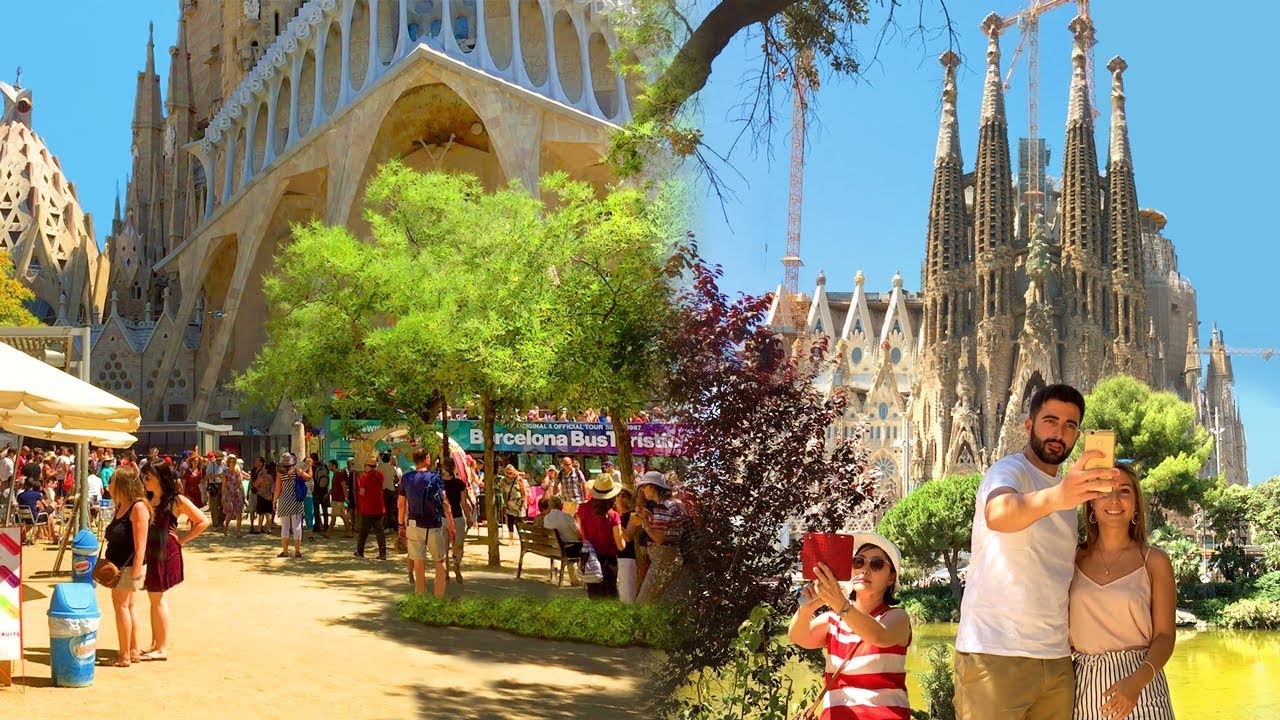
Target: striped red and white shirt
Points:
x,y
873,686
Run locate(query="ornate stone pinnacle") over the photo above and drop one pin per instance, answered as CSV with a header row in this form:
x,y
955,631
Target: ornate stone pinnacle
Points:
x,y
897,281
1117,65
822,278
1082,28
858,279
992,25
950,60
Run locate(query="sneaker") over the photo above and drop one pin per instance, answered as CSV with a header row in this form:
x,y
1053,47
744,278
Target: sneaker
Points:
x,y
357,554
382,557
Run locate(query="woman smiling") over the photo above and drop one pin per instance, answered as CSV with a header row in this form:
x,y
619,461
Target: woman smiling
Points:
x,y
1122,605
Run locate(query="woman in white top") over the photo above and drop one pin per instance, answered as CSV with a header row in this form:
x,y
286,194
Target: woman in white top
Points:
x,y
1122,603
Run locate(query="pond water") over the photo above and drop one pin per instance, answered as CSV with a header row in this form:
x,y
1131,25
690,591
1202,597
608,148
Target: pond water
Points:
x,y
1214,674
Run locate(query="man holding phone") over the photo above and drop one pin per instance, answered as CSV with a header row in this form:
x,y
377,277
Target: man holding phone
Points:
x,y
1013,658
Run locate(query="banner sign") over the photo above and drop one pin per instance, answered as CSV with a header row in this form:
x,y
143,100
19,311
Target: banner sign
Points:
x,y
10,593
571,438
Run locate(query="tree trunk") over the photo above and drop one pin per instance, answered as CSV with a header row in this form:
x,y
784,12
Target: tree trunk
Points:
x,y
691,67
622,435
952,559
490,476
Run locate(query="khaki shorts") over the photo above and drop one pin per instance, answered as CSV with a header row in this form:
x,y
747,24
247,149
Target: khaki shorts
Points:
x,y
127,582
998,687
421,540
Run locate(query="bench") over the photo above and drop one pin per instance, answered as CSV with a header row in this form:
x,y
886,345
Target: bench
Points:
x,y
541,541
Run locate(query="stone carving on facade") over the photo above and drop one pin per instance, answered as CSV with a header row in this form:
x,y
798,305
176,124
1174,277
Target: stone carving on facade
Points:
x,y
252,11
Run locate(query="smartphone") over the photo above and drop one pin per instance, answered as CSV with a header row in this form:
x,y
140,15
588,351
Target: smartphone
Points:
x,y
1105,441
834,550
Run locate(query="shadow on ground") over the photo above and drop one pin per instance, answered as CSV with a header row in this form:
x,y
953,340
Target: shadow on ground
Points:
x,y
503,699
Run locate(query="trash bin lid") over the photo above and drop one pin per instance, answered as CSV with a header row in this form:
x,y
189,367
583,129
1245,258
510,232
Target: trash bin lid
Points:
x,y
73,601
85,540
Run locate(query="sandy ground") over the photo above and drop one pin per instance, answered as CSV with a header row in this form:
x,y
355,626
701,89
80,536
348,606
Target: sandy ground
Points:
x,y
257,637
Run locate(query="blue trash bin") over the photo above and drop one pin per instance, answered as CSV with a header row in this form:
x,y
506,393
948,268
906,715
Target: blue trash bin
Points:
x,y
73,634
84,556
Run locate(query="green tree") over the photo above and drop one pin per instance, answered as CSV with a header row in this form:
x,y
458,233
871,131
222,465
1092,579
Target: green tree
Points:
x,y
12,296
935,523
1264,509
1159,432
1183,553
615,295
1227,510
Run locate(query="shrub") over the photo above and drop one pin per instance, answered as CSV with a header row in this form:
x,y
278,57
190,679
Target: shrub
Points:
x,y
931,604
1249,614
939,684
1209,609
598,622
1267,587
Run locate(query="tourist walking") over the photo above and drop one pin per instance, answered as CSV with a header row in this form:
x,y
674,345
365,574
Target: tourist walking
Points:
x,y
426,522
288,503
602,527
1122,606
339,490
214,466
514,502
865,635
191,476
262,486
320,481
462,509
571,483
662,517
1013,653
370,508
390,481
232,495
126,537
164,548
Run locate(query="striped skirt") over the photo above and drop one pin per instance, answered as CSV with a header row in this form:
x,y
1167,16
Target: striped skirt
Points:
x,y
1096,673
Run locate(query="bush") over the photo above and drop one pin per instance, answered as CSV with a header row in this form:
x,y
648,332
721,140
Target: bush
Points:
x,y
1267,587
931,604
1209,609
1249,614
939,684
599,622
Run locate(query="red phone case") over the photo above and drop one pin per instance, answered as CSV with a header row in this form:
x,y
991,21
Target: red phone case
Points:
x,y
832,549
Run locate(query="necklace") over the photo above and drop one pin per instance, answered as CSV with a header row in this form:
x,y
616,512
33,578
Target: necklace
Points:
x,y
1106,566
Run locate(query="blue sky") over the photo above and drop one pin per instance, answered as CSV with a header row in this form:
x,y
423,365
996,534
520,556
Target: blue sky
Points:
x,y
1200,121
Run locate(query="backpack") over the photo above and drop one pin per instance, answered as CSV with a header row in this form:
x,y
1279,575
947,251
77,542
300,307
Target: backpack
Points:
x,y
321,477
299,488
426,508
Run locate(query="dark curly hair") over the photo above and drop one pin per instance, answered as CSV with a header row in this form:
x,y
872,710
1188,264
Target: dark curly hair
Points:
x,y
168,480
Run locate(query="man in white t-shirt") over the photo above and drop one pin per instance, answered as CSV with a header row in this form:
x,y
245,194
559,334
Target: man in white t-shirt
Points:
x,y
1013,659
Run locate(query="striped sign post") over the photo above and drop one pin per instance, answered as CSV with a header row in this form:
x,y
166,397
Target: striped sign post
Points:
x,y
10,601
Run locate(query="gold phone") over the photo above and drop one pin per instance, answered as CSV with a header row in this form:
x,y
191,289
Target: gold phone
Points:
x,y
1104,440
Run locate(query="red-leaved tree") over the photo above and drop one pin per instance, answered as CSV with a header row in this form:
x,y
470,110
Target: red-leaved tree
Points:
x,y
756,458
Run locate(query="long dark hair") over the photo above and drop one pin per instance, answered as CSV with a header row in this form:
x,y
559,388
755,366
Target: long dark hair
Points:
x,y
168,481
601,506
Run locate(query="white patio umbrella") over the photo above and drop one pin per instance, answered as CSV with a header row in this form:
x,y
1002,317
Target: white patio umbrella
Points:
x,y
60,434
35,395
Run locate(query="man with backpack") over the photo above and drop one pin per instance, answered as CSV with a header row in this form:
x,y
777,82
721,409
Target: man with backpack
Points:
x,y
426,522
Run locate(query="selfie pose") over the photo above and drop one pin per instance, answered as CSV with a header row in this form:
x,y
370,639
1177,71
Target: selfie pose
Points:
x,y
1013,656
1122,607
865,635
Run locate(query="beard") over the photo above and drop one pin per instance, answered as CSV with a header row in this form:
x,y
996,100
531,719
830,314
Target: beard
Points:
x,y
1045,454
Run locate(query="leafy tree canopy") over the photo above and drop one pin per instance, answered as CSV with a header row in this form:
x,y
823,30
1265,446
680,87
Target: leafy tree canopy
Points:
x,y
1227,510
1159,432
935,523
12,296
1264,509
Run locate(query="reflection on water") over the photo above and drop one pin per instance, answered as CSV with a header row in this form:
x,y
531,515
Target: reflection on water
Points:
x,y
1216,674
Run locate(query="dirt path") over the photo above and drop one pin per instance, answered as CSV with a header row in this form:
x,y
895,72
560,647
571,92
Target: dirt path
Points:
x,y
254,635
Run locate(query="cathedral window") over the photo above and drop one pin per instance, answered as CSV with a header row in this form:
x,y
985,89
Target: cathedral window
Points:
x,y
895,355
137,291
856,355
884,410
857,325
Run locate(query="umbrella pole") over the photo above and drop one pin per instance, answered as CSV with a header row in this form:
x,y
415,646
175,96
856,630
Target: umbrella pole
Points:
x,y
13,490
82,485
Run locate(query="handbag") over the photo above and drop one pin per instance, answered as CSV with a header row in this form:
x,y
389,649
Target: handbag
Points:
x,y
105,572
589,570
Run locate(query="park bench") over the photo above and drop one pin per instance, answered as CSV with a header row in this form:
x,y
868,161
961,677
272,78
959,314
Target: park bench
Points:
x,y
540,541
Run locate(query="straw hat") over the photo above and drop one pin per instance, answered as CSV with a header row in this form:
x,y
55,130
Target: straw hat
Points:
x,y
603,487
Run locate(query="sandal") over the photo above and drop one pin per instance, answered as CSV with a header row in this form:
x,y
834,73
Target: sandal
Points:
x,y
155,656
283,554
120,662
297,553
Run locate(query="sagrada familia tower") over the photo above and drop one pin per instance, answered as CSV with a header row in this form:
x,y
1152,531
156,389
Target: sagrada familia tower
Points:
x,y
1070,282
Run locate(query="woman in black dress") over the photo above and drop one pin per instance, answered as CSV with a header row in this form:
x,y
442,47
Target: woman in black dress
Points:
x,y
127,548
164,548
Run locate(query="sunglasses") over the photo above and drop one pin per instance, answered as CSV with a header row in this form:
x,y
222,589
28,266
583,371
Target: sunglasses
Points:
x,y
876,564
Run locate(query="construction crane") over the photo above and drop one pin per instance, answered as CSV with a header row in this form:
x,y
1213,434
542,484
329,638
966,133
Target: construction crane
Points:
x,y
1264,353
791,261
1028,21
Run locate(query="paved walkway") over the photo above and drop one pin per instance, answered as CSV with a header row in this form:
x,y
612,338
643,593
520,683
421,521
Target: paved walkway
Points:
x,y
254,636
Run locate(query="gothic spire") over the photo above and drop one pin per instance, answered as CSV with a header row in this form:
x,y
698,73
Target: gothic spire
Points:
x,y
180,70
1122,199
1081,216
946,205
994,202
146,103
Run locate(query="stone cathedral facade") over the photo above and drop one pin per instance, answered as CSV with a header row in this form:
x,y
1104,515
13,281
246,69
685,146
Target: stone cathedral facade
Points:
x,y
1071,283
